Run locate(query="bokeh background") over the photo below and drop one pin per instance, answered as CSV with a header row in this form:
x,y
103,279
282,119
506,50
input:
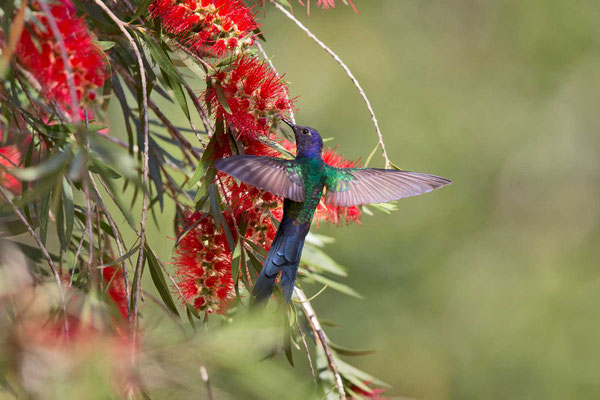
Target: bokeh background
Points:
x,y
489,288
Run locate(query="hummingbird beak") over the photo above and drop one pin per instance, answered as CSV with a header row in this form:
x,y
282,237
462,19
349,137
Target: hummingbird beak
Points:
x,y
290,124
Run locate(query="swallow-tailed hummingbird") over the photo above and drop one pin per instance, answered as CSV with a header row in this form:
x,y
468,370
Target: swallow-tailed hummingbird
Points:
x,y
302,182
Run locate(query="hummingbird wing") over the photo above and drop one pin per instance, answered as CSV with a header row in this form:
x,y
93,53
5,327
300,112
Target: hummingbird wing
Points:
x,y
348,187
278,176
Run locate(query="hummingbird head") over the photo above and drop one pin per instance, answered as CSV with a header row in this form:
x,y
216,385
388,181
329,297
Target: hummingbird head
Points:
x,y
308,140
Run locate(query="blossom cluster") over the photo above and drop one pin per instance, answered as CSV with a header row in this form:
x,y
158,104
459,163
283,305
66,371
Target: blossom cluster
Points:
x,y
9,158
39,52
250,96
216,27
203,256
203,264
115,281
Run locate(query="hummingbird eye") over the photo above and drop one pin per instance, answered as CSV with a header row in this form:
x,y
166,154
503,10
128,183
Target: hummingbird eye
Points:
x,y
305,131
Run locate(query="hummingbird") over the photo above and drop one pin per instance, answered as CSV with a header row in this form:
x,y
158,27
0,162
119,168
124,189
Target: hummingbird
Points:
x,y
302,182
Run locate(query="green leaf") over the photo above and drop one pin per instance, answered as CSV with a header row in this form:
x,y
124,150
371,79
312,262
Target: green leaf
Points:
x,y
218,215
120,259
349,372
340,287
44,214
98,166
52,164
287,339
284,3
69,209
142,7
162,59
222,98
345,351
316,258
187,60
180,97
159,280
105,44
198,173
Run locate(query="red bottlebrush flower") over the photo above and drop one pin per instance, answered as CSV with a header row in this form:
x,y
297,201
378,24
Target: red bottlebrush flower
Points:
x,y
38,51
200,258
257,97
214,26
10,157
114,278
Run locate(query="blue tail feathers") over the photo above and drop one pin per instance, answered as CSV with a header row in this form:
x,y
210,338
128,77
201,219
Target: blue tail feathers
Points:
x,y
284,256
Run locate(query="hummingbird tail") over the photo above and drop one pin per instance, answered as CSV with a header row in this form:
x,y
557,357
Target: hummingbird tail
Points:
x,y
284,256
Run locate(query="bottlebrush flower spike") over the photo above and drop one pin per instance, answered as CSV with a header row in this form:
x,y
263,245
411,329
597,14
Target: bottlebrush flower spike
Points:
x,y
255,95
10,157
114,278
38,52
213,26
203,265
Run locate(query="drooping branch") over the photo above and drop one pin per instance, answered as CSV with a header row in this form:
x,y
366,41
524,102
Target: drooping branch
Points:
x,y
348,72
320,334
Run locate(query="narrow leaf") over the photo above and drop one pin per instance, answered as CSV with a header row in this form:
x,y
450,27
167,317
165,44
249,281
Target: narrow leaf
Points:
x,y
159,280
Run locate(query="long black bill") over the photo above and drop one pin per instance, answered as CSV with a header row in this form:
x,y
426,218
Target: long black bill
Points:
x,y
290,124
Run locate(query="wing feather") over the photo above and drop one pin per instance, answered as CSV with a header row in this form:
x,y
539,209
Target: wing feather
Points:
x,y
355,186
274,175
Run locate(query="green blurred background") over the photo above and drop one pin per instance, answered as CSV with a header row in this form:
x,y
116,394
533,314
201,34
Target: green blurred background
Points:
x,y
489,288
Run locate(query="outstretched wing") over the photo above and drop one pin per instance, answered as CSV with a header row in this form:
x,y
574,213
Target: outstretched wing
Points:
x,y
274,175
355,186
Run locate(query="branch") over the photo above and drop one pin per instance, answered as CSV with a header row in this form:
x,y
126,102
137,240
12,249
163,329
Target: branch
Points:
x,y
316,327
138,272
44,252
348,72
88,207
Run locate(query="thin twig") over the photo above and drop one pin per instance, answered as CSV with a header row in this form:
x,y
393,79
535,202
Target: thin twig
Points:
x,y
201,112
195,56
88,207
44,252
65,59
118,240
316,327
312,368
348,72
264,54
138,272
204,375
